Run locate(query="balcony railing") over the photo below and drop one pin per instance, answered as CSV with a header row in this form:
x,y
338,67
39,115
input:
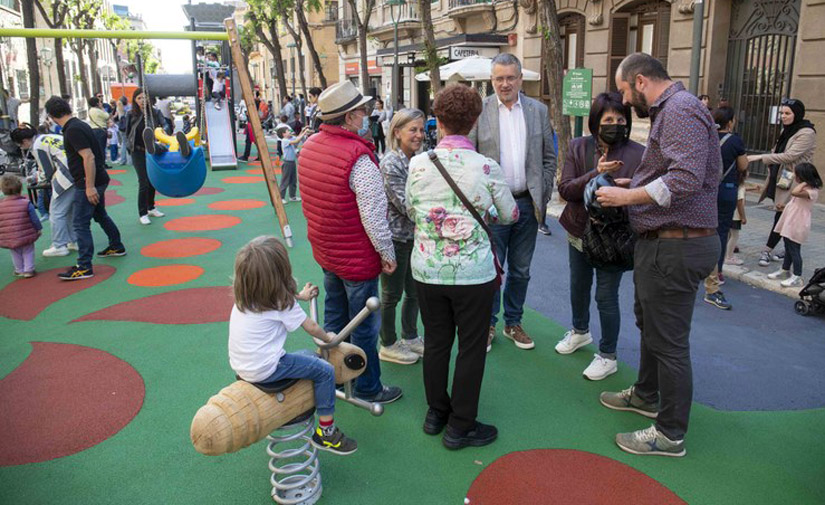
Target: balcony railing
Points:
x,y
457,4
345,29
408,12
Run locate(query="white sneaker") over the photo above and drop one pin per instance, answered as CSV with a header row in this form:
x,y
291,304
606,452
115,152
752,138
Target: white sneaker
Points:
x,y
156,213
779,274
56,251
600,368
217,106
573,341
734,261
397,353
415,345
295,199
72,246
145,220
793,281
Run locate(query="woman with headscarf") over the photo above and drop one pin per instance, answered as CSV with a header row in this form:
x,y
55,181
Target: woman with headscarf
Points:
x,y
796,144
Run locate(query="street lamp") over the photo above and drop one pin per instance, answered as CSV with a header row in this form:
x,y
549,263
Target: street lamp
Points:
x,y
46,55
395,20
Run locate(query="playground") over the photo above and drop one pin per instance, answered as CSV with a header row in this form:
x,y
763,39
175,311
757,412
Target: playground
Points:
x,y
100,380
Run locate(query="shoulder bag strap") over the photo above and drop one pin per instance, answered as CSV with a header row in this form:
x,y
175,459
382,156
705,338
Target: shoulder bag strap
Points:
x,y
589,154
722,143
469,206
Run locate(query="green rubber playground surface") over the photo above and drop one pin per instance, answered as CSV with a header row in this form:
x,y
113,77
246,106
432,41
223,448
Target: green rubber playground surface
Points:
x,y
98,411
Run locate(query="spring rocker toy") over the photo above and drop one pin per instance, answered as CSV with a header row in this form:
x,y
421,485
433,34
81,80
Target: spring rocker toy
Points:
x,y
284,413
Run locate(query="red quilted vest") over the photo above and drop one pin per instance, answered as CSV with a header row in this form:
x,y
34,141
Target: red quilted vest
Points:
x,y
16,228
339,242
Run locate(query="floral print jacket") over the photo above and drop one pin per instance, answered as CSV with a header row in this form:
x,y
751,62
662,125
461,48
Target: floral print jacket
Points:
x,y
451,248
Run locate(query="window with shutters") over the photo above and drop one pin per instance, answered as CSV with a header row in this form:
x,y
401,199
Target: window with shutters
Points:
x,y
641,27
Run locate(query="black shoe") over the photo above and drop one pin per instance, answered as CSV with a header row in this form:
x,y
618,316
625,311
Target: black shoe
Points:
x,y
76,273
544,230
149,140
482,434
387,395
185,148
337,442
434,422
112,251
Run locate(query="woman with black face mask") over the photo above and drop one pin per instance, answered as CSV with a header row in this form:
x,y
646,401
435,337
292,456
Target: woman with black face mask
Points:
x,y
607,150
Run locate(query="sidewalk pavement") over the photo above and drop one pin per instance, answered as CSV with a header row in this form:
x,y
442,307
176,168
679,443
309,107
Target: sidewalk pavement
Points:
x,y
752,238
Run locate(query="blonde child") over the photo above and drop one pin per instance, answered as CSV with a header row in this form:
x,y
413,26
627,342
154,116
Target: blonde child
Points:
x,y
265,311
19,226
795,224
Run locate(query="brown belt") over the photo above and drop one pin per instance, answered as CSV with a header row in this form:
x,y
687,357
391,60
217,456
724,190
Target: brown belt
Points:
x,y
678,233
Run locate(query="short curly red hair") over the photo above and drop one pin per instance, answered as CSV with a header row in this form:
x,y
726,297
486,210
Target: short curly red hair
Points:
x,y
457,107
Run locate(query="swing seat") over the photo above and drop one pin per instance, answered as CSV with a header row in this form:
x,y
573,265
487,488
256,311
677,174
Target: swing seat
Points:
x,y
175,176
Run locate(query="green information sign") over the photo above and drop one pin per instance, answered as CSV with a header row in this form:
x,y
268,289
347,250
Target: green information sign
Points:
x,y
577,92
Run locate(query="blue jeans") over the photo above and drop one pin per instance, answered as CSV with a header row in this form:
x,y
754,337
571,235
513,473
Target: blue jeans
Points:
x,y
344,299
84,212
61,217
309,366
607,300
515,244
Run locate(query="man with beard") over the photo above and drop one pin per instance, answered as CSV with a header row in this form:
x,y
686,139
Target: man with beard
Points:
x,y
671,202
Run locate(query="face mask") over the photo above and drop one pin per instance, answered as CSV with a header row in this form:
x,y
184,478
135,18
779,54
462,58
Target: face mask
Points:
x,y
612,133
365,127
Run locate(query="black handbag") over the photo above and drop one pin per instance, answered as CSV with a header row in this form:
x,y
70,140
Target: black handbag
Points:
x,y
472,210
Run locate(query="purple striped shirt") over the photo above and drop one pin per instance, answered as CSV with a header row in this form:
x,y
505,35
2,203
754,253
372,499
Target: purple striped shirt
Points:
x,y
681,166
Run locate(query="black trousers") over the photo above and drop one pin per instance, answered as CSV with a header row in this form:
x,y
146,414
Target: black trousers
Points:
x,y
102,139
445,309
774,238
146,192
667,273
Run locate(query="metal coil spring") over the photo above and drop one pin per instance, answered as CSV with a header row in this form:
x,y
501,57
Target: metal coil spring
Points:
x,y
294,482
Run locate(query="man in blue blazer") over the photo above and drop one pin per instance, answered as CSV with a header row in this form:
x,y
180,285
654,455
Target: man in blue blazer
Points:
x,y
515,131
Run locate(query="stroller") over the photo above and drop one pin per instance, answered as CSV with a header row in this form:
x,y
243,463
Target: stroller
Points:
x,y
812,295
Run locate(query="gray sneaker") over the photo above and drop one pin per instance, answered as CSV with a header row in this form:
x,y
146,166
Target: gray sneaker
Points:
x,y
397,353
650,442
627,400
415,345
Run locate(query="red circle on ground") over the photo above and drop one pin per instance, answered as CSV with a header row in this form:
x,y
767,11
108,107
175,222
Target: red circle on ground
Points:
x,y
112,198
254,171
202,223
208,191
64,399
237,205
166,275
115,182
565,476
180,247
174,202
116,171
242,179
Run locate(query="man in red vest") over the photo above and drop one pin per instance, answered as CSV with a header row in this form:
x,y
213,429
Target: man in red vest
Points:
x,y
346,210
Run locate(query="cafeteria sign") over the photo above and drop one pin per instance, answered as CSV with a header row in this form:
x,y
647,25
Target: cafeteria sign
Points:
x,y
577,92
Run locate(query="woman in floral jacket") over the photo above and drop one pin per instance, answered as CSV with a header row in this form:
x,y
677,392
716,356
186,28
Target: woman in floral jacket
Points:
x,y
452,263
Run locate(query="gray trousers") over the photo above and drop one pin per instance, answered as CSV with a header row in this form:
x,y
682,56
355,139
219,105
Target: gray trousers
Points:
x,y
61,216
289,179
667,273
393,287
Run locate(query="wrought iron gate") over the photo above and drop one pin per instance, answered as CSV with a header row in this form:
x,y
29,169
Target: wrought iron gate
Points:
x,y
759,67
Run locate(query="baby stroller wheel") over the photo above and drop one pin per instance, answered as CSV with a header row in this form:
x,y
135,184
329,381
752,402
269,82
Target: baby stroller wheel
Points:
x,y
802,308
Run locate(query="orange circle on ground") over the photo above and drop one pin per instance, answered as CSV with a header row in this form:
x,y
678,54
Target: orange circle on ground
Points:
x,y
166,275
237,204
174,202
202,223
180,247
242,179
254,171
116,171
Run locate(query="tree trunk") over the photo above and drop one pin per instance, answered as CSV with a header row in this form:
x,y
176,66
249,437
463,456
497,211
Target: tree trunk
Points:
x,y
95,71
430,51
34,65
300,53
363,26
274,47
61,67
554,72
78,47
316,60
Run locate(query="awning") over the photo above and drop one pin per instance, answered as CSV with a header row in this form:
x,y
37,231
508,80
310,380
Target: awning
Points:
x,y
474,68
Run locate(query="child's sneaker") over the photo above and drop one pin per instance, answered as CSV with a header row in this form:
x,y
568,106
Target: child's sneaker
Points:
x,y
28,275
149,140
335,442
764,259
794,281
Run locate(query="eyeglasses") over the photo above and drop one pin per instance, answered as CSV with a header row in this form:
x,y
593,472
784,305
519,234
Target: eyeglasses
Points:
x,y
509,79
789,102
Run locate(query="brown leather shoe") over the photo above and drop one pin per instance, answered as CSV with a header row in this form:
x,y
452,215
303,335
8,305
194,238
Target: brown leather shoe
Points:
x,y
519,337
490,336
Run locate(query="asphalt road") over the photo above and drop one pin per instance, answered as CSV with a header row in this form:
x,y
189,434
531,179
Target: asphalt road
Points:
x,y
759,356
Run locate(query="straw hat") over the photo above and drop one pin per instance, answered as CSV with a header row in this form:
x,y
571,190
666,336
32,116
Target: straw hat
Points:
x,y
339,99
